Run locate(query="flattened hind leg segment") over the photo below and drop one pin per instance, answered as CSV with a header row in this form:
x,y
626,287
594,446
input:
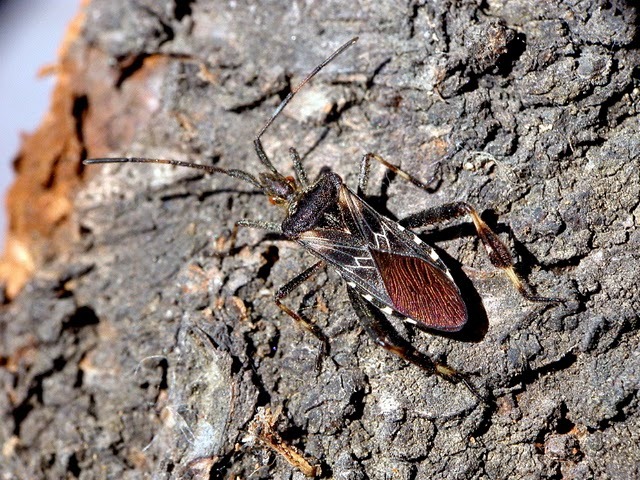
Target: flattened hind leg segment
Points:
x,y
497,251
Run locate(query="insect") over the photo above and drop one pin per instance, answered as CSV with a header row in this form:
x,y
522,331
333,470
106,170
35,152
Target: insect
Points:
x,y
387,268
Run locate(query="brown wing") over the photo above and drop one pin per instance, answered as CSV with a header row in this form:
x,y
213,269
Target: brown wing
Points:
x,y
421,291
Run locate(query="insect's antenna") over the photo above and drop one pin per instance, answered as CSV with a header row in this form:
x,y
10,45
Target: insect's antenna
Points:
x,y
241,174
303,83
257,143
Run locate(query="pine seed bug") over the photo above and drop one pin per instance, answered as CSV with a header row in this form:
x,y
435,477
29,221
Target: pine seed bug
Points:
x,y
387,268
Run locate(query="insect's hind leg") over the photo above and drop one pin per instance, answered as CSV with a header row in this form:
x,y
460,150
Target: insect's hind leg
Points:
x,y
286,289
385,336
497,251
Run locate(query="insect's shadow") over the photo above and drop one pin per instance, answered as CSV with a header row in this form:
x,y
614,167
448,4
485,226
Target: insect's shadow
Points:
x,y
311,148
478,323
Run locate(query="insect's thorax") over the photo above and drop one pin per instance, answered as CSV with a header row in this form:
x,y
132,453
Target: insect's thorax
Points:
x,y
314,208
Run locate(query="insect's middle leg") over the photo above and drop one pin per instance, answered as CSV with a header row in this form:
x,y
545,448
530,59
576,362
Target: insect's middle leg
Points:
x,y
286,289
498,253
365,166
385,336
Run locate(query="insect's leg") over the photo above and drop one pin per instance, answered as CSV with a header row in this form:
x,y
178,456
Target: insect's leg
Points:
x,y
269,226
384,335
301,175
230,243
497,251
365,165
363,176
286,289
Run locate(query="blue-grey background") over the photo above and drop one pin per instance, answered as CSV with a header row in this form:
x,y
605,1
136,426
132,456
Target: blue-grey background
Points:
x,y
30,34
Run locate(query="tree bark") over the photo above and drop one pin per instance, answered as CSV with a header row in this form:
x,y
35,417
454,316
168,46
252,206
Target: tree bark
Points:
x,y
138,349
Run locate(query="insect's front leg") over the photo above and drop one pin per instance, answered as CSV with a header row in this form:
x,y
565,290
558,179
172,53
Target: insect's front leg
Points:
x,y
268,226
384,335
497,251
286,289
301,175
231,241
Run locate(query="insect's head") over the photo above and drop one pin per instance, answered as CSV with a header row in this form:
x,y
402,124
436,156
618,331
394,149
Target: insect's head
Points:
x,y
280,190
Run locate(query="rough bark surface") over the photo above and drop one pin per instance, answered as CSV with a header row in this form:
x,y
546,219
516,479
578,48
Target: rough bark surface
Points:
x,y
143,353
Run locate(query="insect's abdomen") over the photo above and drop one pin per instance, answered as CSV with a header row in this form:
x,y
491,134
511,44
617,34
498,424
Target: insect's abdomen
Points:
x,y
421,291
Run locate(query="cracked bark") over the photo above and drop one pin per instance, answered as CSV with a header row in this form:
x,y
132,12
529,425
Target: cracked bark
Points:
x,y
136,350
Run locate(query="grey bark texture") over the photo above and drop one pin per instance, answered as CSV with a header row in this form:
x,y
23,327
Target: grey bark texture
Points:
x,y
154,352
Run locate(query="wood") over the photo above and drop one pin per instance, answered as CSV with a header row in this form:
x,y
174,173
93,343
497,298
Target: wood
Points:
x,y
135,350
